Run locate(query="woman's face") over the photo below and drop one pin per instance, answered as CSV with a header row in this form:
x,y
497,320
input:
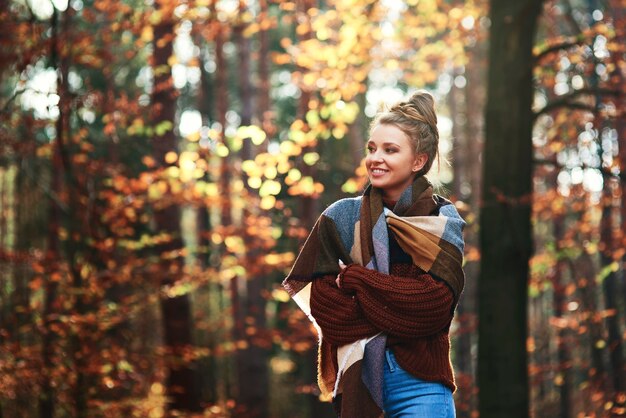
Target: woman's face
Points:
x,y
391,160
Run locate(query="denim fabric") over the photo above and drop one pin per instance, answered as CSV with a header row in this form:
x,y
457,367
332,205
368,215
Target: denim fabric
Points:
x,y
404,395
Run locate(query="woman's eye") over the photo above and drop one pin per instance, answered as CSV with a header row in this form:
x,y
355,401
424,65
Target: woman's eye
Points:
x,y
370,150
390,150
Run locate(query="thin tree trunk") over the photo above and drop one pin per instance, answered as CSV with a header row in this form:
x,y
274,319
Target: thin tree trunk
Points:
x,y
462,344
46,397
207,367
621,395
564,335
505,234
31,222
181,385
263,95
617,372
358,132
221,107
221,81
615,342
466,106
474,137
251,361
308,205
458,110
585,275
75,215
610,290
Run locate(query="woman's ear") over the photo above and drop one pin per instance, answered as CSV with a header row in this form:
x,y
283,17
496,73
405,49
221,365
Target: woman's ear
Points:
x,y
420,162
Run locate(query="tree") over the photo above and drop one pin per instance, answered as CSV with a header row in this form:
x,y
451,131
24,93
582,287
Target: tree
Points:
x,y
505,235
177,323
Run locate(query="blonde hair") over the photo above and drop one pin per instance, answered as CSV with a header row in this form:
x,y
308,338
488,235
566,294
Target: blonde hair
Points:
x,y
417,119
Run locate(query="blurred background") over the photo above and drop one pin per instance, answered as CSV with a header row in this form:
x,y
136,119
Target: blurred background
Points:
x,y
163,161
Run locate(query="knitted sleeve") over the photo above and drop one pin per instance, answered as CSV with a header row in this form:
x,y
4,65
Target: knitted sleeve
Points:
x,y
337,313
406,307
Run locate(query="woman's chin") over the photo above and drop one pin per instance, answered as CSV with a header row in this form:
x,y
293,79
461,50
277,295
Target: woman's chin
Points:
x,y
379,184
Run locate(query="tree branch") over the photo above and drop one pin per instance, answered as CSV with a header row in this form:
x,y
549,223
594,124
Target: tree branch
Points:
x,y
564,103
579,40
552,162
567,100
7,104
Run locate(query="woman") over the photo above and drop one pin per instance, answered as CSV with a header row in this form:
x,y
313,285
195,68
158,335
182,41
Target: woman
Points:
x,y
380,276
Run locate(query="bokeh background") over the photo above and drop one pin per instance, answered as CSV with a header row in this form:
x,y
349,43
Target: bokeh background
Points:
x,y
163,161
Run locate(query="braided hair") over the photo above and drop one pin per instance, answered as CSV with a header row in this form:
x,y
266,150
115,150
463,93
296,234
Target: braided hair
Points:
x,y
415,117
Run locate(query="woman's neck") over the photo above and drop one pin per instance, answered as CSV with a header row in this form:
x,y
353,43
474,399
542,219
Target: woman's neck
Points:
x,y
389,203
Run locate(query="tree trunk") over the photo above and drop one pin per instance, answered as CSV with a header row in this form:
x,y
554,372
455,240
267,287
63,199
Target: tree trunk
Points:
x,y
610,290
251,361
462,343
586,276
618,12
309,205
222,103
53,254
564,334
263,91
621,132
358,132
505,234
466,106
207,367
181,386
24,222
75,220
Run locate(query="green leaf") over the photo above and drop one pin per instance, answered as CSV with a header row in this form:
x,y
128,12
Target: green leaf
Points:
x,y
162,127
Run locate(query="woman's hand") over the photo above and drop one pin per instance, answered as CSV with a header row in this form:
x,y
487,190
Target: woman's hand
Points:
x,y
342,267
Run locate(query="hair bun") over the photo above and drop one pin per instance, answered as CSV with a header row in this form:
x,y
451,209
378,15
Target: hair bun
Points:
x,y
422,98
423,104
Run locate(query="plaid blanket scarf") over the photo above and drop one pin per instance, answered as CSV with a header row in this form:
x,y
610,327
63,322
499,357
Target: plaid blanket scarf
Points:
x,y
426,226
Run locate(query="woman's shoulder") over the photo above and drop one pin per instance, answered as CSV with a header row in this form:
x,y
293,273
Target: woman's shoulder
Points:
x,y
344,208
343,204
446,207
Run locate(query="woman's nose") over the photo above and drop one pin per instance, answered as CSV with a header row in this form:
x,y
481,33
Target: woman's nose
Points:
x,y
377,156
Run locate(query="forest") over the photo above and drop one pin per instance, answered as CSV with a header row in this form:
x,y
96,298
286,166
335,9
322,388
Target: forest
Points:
x,y
162,162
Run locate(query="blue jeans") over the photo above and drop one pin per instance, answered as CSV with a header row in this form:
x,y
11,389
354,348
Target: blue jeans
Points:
x,y
404,395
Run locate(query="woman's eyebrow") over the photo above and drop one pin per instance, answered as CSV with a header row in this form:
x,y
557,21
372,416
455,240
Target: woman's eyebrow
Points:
x,y
370,142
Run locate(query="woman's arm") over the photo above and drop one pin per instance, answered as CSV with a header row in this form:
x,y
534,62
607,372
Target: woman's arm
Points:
x,y
407,307
337,313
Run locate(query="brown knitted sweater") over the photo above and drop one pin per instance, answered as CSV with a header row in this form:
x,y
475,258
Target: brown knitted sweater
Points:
x,y
413,308
391,301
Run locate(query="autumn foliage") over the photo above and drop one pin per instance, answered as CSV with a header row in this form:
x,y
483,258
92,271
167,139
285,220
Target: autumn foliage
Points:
x,y
162,162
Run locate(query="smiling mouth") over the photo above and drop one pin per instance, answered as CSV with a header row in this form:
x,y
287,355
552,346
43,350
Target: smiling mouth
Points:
x,y
378,171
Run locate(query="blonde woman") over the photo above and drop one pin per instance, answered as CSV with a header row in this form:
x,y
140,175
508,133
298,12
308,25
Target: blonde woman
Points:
x,y
380,276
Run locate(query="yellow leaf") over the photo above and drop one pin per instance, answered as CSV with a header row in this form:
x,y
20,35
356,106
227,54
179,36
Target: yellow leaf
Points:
x,y
157,389
350,186
147,34
268,202
171,157
148,161
173,172
270,172
310,158
269,187
255,182
221,150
